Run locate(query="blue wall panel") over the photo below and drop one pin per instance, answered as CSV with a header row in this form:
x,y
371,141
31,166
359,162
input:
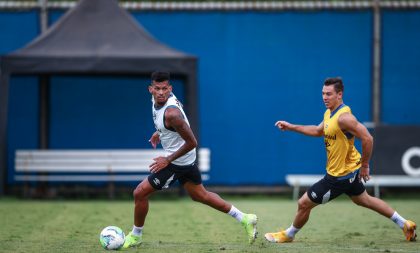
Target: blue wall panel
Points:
x,y
17,29
23,124
401,67
101,112
254,68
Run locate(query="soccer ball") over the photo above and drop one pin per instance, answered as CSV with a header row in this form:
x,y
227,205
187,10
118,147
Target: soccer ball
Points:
x,y
112,237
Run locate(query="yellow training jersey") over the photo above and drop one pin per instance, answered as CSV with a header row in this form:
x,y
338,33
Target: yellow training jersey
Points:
x,y
342,156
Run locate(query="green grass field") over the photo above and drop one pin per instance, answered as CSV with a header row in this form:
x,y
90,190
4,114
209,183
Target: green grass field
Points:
x,y
184,226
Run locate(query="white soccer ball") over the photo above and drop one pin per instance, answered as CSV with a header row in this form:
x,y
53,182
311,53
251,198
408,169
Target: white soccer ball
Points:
x,y
112,238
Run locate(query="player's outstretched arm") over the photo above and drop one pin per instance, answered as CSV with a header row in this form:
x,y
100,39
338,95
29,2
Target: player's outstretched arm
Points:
x,y
309,130
349,123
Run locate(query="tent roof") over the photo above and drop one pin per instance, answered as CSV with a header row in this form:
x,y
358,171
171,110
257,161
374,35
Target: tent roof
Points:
x,y
99,36
95,37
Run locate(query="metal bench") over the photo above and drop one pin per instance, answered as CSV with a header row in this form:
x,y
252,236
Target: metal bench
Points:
x,y
85,166
297,181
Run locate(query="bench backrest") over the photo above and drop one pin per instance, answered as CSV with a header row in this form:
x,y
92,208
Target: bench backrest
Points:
x,y
94,161
383,180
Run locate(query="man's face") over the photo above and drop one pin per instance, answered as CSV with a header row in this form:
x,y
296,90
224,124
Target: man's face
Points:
x,y
160,91
331,98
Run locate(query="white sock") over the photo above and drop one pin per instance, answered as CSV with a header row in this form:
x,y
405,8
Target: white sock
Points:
x,y
291,231
398,219
137,230
235,213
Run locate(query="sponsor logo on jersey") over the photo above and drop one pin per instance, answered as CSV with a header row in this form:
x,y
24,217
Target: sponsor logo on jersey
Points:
x,y
330,137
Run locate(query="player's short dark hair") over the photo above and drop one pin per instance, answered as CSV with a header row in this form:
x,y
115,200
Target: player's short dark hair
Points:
x,y
160,76
337,82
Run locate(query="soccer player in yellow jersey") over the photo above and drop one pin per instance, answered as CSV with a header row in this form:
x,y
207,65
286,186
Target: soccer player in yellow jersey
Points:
x,y
346,168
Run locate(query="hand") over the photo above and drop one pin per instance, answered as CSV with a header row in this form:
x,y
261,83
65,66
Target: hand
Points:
x,y
159,164
364,174
283,125
154,140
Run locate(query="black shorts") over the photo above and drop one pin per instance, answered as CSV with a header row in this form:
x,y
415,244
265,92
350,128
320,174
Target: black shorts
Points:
x,y
329,187
167,176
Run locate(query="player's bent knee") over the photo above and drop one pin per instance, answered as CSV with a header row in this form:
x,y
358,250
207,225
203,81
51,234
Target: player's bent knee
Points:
x,y
304,204
139,193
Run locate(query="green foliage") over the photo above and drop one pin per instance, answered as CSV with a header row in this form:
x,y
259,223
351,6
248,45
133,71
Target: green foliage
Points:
x,y
185,226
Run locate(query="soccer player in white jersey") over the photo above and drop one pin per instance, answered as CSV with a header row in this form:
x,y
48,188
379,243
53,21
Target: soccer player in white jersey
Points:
x,y
174,133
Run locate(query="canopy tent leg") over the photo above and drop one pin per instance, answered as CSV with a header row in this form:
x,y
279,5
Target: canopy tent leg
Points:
x,y
4,95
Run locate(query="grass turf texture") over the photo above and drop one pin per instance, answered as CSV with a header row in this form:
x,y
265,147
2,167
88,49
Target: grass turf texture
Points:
x,y
185,226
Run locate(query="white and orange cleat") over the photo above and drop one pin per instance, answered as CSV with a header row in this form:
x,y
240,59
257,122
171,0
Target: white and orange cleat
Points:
x,y
410,230
279,237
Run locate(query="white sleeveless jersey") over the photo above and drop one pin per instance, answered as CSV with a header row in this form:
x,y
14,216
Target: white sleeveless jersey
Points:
x,y
171,141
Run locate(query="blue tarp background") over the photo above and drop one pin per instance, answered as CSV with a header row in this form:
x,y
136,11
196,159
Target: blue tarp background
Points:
x,y
254,68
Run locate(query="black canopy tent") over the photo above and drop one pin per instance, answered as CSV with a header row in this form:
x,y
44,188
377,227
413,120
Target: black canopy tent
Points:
x,y
95,37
